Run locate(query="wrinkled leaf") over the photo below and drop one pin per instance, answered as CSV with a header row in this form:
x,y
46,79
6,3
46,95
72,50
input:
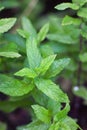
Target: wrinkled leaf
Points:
x,y
42,114
42,33
45,64
33,54
14,87
26,72
6,24
35,125
51,90
57,67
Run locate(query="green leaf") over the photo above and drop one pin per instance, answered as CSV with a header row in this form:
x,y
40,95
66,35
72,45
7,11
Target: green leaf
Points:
x,y
62,114
45,64
10,54
67,20
62,37
33,54
26,72
81,92
42,114
57,67
82,13
35,125
46,50
64,6
80,2
6,24
42,33
14,87
28,27
83,57
51,90
23,33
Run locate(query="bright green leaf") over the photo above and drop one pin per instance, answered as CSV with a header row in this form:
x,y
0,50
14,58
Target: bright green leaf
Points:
x,y
14,87
33,54
67,20
64,6
1,8
26,72
42,33
10,54
57,67
42,113
6,24
45,64
82,13
79,2
35,125
63,113
23,33
51,90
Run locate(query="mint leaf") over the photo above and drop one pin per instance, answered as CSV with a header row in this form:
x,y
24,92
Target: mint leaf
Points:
x,y
42,113
6,24
64,6
45,64
28,27
26,72
14,87
42,33
51,90
35,125
57,67
10,54
82,12
67,20
33,54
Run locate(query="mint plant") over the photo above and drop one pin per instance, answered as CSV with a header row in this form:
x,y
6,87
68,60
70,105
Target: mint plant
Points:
x,y
69,36
35,89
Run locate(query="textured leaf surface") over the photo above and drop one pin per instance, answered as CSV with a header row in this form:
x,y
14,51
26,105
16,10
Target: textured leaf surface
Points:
x,y
6,24
51,90
10,54
26,72
28,27
36,125
33,54
42,113
57,67
42,33
67,20
64,6
13,87
45,64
